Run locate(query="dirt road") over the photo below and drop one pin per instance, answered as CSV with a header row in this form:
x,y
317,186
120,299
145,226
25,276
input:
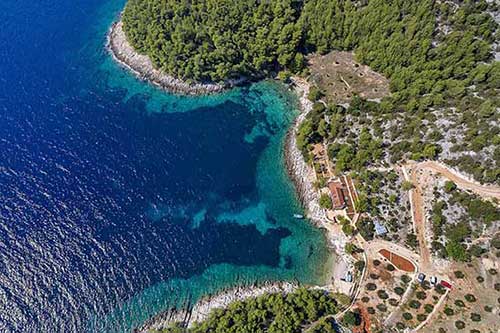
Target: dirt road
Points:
x,y
486,191
417,202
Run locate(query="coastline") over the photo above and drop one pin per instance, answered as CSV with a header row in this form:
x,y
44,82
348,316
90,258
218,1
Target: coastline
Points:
x,y
201,310
303,177
142,67
301,174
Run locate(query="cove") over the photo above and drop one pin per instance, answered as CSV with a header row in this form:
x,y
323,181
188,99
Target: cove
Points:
x,y
120,200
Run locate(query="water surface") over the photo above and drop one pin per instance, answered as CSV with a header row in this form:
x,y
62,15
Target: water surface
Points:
x,y
119,200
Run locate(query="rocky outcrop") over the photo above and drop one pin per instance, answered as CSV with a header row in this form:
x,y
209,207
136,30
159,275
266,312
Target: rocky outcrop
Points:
x,y
142,66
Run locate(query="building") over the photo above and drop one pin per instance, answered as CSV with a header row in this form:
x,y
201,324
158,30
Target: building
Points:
x,y
337,193
380,229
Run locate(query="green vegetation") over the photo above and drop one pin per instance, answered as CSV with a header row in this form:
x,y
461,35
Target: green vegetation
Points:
x,y
350,248
325,201
414,304
449,311
399,291
407,316
213,40
351,319
470,298
270,313
382,294
459,324
436,56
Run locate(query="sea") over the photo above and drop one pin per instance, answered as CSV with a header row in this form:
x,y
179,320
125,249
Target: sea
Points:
x,y
119,200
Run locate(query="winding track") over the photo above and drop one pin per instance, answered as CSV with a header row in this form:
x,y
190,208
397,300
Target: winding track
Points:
x,y
486,191
418,212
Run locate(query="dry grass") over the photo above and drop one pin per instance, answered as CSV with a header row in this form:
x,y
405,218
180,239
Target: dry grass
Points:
x,y
341,77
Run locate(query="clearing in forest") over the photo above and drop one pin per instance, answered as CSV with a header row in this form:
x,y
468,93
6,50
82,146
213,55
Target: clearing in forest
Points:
x,y
341,77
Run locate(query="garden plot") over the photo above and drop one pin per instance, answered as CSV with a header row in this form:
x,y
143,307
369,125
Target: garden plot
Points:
x,y
419,305
473,305
382,290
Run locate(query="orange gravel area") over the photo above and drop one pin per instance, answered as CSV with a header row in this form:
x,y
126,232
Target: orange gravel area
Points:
x,y
398,261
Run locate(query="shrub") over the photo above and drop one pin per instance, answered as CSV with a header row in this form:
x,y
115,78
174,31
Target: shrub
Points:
x,y
448,311
428,308
476,251
393,301
495,242
407,316
497,286
426,285
371,310
449,186
459,274
442,330
360,265
365,299
382,294
459,324
470,298
390,267
475,317
314,94
374,276
399,291
421,295
382,307
348,229
349,248
459,303
492,271
400,326
350,318
440,289
405,278
475,331
488,308
480,279
414,304
325,201
376,262
407,185
421,316
371,286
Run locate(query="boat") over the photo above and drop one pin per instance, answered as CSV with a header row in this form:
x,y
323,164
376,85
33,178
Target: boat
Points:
x,y
298,216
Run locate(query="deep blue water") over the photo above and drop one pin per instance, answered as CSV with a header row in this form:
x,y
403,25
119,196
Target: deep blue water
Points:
x,y
118,200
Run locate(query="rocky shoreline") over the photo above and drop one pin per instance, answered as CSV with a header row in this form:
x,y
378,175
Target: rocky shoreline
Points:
x,y
301,174
141,65
200,310
298,170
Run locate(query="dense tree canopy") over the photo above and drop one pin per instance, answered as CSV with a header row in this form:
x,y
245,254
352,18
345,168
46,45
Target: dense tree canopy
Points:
x,y
270,313
436,54
216,39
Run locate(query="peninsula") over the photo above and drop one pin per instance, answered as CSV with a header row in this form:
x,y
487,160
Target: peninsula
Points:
x,y
395,154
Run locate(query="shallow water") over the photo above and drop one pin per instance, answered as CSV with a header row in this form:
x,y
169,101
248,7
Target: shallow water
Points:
x,y
120,200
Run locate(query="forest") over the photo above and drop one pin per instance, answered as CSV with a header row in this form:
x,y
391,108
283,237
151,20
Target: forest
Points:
x,y
444,82
270,313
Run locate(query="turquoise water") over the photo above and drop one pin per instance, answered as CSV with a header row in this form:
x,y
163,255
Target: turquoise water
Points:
x,y
121,200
